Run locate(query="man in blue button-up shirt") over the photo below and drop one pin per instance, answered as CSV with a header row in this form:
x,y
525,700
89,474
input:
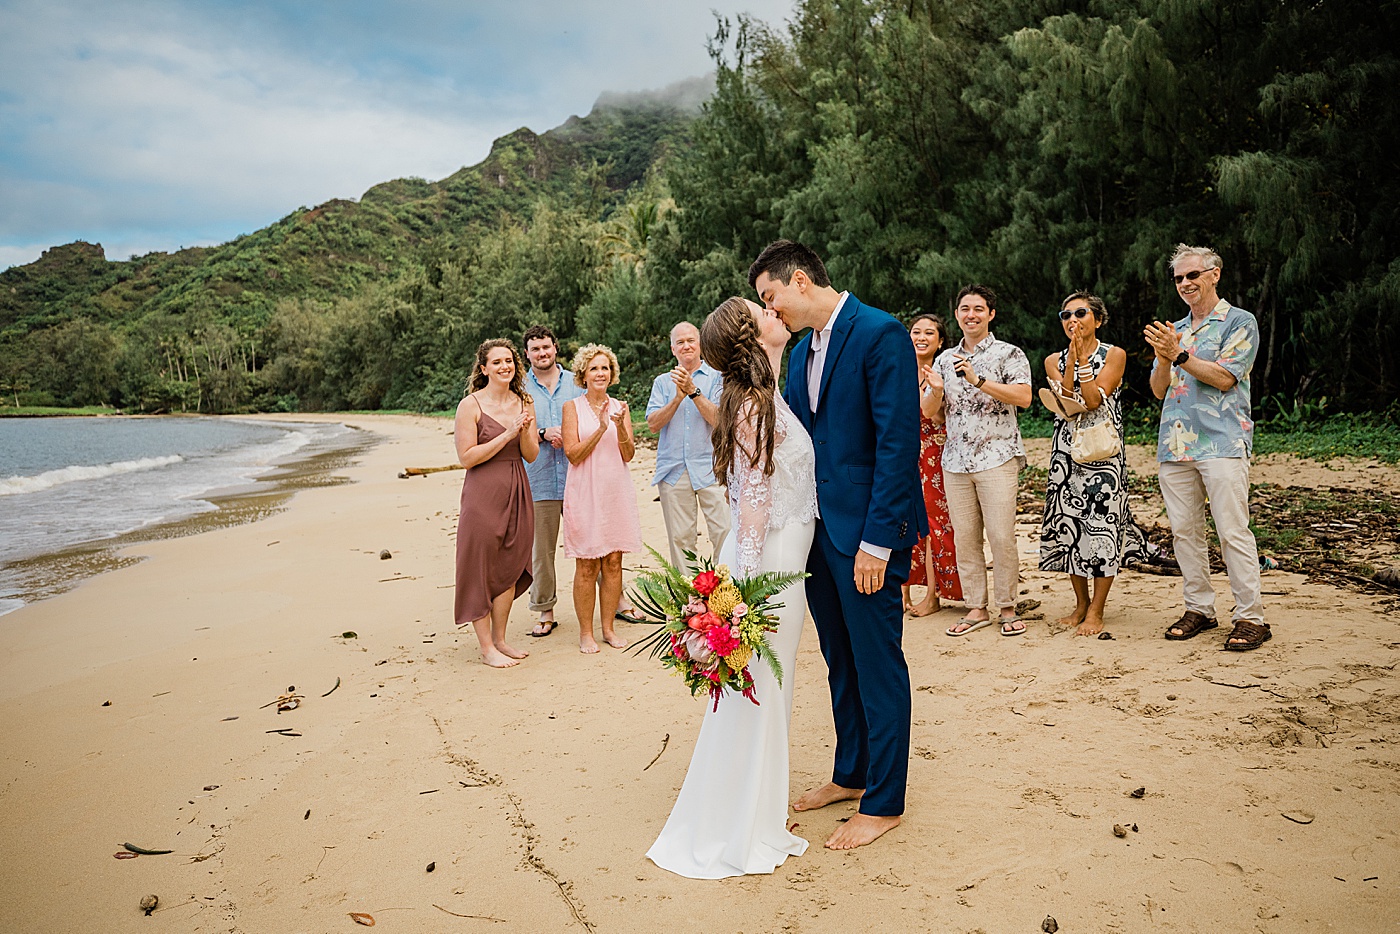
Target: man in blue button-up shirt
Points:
x,y
551,387
682,410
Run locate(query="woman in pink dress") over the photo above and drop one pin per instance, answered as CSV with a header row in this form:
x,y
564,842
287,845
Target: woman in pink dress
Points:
x,y
934,563
600,503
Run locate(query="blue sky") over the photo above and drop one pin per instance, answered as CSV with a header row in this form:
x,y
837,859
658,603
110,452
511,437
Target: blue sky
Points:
x,y
155,125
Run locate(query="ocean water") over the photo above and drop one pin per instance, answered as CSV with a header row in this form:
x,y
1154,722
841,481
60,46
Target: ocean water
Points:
x,y
69,481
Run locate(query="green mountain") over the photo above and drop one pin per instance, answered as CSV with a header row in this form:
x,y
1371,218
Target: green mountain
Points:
x,y
78,329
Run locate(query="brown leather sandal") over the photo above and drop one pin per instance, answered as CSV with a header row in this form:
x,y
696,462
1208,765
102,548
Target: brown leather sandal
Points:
x,y
1254,634
1191,625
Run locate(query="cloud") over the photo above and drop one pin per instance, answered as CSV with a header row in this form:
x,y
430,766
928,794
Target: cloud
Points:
x,y
166,123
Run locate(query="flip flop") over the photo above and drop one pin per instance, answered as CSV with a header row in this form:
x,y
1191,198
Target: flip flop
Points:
x,y
972,626
633,617
1061,405
1008,620
551,624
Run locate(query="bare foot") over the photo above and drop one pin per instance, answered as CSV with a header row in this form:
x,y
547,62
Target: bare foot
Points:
x,y
926,608
1073,619
496,660
587,645
506,650
614,640
1091,626
860,830
829,793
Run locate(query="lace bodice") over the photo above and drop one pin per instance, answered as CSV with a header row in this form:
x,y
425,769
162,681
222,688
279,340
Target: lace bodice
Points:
x,y
762,503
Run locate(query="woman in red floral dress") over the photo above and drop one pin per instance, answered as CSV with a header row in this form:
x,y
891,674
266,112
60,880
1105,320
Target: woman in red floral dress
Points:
x,y
934,564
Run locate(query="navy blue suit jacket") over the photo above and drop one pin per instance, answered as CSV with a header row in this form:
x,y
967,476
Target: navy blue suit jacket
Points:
x,y
865,430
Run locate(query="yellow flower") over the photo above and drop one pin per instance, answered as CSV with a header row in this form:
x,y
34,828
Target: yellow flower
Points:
x,y
724,599
738,658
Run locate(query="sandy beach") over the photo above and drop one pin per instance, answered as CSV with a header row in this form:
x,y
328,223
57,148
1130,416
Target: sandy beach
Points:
x,y
138,708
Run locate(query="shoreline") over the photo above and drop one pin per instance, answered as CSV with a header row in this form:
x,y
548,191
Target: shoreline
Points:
x,y
136,708
43,576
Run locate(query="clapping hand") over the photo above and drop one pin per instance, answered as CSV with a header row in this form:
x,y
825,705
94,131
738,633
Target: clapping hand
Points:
x,y
929,376
522,422
1163,339
555,436
619,415
1078,343
685,383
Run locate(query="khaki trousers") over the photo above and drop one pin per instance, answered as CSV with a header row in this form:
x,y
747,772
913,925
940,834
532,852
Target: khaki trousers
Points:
x,y
978,503
1224,481
680,503
542,591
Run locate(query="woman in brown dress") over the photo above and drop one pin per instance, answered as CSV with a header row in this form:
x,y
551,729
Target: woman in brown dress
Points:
x,y
496,525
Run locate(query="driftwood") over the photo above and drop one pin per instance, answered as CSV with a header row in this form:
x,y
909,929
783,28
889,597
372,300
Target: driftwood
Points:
x,y
424,471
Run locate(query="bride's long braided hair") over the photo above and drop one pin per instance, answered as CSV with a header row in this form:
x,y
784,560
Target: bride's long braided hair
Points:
x,y
729,342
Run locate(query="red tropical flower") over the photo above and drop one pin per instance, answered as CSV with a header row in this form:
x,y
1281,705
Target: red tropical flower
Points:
x,y
705,583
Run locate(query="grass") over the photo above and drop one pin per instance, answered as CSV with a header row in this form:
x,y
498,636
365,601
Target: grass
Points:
x,y
1367,435
11,411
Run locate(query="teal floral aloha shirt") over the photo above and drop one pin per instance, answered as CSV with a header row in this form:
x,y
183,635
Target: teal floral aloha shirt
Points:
x,y
1199,421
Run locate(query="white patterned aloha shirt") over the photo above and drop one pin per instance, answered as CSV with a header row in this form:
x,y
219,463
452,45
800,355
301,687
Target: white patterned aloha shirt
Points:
x,y
1199,421
982,432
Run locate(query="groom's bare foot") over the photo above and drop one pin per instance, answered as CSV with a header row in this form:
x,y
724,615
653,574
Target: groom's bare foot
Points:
x,y
829,793
861,830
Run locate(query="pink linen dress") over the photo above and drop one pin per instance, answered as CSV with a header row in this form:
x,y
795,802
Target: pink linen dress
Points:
x,y
600,503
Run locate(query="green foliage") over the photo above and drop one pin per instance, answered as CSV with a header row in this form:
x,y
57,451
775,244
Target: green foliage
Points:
x,y
917,145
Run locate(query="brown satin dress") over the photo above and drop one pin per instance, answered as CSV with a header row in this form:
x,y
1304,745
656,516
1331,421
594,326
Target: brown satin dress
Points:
x,y
495,529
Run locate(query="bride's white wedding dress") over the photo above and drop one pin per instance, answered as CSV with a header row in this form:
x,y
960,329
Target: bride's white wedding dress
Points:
x,y
731,816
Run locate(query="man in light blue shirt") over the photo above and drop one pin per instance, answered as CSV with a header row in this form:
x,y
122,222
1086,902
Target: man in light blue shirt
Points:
x,y
682,410
551,387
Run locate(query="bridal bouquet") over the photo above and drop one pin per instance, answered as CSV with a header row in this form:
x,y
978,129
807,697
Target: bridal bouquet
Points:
x,y
712,625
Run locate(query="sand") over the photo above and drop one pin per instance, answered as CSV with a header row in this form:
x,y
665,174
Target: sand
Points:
x,y
1271,777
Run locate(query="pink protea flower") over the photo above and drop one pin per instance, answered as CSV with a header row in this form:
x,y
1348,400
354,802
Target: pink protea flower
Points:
x,y
696,646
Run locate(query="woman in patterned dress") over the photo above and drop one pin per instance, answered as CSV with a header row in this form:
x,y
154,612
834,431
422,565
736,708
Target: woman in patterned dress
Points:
x,y
934,563
1087,529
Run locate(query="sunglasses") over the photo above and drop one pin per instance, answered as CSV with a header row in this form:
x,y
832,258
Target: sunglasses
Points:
x,y
1077,313
1191,276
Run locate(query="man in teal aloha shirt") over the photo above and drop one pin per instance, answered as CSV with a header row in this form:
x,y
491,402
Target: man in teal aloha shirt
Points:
x,y
1201,374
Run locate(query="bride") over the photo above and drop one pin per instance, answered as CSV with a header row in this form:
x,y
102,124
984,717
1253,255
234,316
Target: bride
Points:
x,y
731,816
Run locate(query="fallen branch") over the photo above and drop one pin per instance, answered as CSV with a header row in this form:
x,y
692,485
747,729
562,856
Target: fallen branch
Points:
x,y
424,471
1227,684
477,917
664,740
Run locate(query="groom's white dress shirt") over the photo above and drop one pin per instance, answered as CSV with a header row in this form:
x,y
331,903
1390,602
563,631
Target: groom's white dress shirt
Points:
x,y
816,363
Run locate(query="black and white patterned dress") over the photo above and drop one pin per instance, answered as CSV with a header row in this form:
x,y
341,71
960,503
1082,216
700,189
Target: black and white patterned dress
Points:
x,y
1087,529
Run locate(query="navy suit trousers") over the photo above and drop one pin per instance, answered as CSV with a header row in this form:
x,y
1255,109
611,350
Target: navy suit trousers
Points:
x,y
861,636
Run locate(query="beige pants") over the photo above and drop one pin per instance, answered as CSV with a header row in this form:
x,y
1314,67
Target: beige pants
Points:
x,y
978,503
1224,481
680,503
542,591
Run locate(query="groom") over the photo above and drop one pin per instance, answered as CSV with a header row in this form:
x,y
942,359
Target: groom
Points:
x,y
852,383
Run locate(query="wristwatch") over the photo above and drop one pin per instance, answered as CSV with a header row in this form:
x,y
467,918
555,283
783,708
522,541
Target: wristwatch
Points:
x,y
980,381
541,434
1181,358
692,395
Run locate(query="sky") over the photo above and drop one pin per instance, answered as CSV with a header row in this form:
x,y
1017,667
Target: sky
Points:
x,y
159,125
